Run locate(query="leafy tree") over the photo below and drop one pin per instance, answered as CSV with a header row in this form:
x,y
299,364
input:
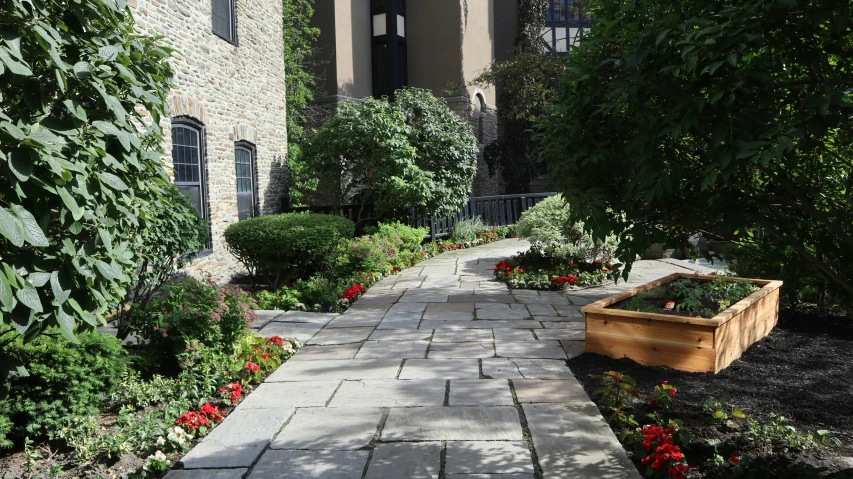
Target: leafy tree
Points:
x,y
412,152
732,118
299,38
77,163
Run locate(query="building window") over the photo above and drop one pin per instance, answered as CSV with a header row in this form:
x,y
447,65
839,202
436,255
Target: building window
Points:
x,y
244,160
564,21
388,46
188,164
225,19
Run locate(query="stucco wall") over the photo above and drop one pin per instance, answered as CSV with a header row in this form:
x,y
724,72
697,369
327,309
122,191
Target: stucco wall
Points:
x,y
236,92
433,37
478,42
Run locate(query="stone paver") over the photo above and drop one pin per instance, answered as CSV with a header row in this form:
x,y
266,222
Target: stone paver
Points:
x,y
464,423
352,369
390,393
433,331
238,440
392,349
310,464
461,350
440,369
480,392
549,391
421,460
573,440
336,429
481,457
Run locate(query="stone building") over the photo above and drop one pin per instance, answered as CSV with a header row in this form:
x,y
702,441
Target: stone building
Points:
x,y
228,138
373,47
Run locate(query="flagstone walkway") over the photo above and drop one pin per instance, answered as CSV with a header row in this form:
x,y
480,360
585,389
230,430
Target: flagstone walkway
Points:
x,y
438,372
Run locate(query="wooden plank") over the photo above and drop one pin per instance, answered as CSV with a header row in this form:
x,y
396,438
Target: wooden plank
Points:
x,y
652,353
735,336
649,329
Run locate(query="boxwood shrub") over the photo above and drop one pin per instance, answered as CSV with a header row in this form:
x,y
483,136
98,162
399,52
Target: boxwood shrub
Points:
x,y
283,248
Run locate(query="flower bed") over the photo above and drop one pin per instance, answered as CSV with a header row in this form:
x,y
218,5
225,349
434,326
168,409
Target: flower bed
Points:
x,y
667,439
546,270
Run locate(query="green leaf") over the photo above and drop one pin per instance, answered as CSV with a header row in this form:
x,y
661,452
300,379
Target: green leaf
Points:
x,y
109,52
661,36
38,279
29,297
14,66
82,70
21,163
76,109
7,299
106,238
70,203
11,228
13,130
66,325
112,181
34,234
61,295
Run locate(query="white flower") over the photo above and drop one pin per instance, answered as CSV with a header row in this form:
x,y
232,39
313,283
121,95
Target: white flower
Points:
x,y
161,440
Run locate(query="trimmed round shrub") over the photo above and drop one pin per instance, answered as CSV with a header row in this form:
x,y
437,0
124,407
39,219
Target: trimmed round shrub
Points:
x,y
411,237
64,379
289,246
547,223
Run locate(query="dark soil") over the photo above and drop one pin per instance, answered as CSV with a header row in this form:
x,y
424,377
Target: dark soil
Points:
x,y
802,370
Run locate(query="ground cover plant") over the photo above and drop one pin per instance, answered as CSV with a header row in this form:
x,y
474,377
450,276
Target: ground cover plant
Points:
x,y
100,409
775,412
689,297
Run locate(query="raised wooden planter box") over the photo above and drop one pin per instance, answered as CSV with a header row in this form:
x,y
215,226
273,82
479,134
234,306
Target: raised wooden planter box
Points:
x,y
680,342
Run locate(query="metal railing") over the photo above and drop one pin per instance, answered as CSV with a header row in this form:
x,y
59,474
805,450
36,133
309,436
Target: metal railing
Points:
x,y
499,210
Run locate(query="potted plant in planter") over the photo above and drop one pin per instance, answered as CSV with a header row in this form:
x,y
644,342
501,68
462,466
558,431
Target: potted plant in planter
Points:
x,y
685,321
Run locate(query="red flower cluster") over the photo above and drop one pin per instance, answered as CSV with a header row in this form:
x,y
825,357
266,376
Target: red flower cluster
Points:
x,y
234,389
212,412
734,458
352,293
669,389
192,420
662,452
564,279
276,340
503,266
252,367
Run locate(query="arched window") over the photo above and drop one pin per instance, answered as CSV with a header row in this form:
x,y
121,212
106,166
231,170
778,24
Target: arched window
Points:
x,y
188,162
244,161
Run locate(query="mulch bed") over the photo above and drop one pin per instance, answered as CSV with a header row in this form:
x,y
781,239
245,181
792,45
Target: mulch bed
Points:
x,y
802,370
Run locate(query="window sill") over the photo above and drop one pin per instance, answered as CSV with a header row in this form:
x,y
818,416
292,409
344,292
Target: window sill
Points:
x,y
232,42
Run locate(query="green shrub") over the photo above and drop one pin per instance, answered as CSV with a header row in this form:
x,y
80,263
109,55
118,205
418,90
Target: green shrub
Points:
x,y
411,237
317,291
64,379
205,368
77,168
466,230
195,310
767,262
547,223
285,299
174,234
368,254
289,246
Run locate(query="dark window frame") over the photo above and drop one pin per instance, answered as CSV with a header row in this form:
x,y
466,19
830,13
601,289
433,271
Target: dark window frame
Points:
x,y
253,168
232,7
572,20
199,128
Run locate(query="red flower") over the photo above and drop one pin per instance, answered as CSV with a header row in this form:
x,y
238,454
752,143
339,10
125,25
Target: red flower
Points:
x,y
252,367
672,392
234,389
735,459
212,412
266,357
276,340
192,420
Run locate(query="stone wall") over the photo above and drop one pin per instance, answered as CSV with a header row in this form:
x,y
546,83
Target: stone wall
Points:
x,y
483,118
237,92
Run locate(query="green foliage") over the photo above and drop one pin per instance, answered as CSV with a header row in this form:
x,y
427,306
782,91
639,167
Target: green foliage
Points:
x,y
287,246
134,391
412,152
206,367
411,237
194,310
369,254
65,379
616,395
677,117
77,172
466,230
285,298
170,241
299,39
317,291
802,284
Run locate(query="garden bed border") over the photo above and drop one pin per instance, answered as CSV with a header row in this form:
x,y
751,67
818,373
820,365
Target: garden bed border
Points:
x,y
682,342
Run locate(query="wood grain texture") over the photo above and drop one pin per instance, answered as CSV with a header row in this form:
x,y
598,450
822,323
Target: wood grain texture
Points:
x,y
681,342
